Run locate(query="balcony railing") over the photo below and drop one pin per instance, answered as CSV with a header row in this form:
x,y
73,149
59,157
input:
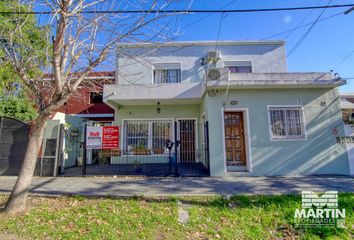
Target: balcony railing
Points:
x,y
315,79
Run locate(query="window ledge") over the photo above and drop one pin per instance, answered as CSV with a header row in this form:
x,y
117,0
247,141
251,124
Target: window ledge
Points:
x,y
287,139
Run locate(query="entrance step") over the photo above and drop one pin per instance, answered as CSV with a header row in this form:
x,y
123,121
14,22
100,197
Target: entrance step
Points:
x,y
238,174
236,168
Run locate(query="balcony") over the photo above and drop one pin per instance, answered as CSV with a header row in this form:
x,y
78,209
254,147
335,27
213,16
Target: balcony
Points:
x,y
147,94
191,93
278,80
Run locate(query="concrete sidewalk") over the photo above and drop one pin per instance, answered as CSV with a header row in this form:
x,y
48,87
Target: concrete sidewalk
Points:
x,y
126,187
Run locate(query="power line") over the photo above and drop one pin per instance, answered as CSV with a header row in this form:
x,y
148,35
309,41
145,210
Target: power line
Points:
x,y
300,41
206,16
302,26
186,11
219,30
302,21
346,57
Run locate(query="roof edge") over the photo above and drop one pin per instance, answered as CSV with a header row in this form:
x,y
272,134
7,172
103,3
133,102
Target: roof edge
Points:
x,y
202,43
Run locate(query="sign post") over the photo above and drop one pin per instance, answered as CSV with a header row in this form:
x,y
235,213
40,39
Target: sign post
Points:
x,y
84,153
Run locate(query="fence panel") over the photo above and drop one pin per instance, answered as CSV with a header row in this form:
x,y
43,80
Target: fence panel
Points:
x,y
145,151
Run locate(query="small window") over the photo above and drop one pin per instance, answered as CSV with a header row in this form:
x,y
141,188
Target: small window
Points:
x,y
351,117
286,123
167,76
238,66
96,97
240,69
167,73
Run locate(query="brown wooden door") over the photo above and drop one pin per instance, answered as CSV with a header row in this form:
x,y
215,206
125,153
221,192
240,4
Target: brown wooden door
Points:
x,y
234,139
187,140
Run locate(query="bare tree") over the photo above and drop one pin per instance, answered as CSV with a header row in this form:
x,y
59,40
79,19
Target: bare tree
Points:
x,y
80,37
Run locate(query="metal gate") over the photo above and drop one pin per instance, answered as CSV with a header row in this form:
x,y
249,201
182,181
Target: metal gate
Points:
x,y
14,138
145,151
13,144
192,156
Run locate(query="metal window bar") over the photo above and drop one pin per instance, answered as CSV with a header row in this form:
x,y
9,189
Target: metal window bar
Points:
x,y
142,137
191,160
287,123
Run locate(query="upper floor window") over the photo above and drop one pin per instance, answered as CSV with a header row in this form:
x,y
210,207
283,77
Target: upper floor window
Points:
x,y
238,66
96,97
286,122
167,73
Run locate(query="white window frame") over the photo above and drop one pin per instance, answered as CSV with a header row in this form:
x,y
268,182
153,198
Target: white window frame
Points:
x,y
157,68
238,63
286,138
150,121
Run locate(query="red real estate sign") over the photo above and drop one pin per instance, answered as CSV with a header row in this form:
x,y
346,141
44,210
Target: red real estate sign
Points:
x,y
110,137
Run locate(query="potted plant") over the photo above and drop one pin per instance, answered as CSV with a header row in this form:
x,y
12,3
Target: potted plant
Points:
x,y
74,132
137,166
158,151
141,149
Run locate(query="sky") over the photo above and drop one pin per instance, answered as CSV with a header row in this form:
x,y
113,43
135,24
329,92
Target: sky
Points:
x,y
328,46
324,48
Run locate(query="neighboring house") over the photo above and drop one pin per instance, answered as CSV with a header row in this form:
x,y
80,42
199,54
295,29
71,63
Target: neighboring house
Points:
x,y
232,107
87,102
347,105
64,134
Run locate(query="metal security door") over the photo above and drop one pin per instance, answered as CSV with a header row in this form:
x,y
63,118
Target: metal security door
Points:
x,y
187,140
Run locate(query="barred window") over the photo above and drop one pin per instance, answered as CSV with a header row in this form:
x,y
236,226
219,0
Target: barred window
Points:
x,y
146,136
286,123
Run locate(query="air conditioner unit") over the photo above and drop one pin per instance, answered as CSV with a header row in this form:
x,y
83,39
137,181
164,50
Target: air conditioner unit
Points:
x,y
217,74
213,56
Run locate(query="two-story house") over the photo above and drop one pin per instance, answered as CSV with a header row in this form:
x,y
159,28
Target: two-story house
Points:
x,y
229,107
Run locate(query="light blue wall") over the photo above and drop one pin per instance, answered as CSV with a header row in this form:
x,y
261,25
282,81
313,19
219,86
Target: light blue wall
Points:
x,y
319,154
135,65
149,112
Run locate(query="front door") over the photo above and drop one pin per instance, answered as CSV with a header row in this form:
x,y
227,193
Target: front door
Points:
x,y
234,139
187,140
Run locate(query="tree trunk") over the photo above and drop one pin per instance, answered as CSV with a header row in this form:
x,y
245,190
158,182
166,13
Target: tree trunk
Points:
x,y
17,201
